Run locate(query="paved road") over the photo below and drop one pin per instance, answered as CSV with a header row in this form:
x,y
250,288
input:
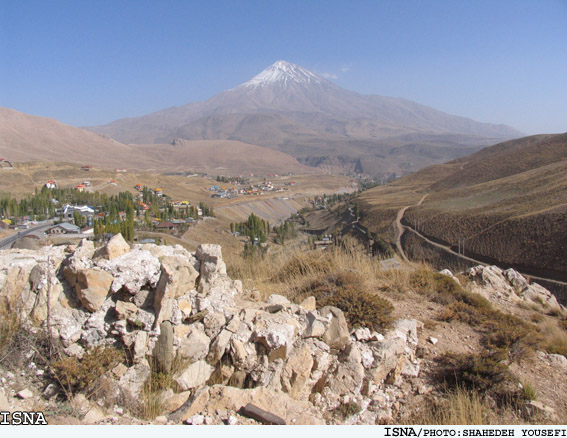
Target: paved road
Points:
x,y
7,242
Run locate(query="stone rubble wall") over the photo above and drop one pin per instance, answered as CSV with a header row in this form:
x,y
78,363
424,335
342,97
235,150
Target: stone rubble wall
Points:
x,y
164,303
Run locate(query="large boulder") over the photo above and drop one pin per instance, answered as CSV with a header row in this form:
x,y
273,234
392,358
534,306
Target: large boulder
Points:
x,y
212,264
195,346
277,338
337,333
44,283
178,276
296,372
194,375
80,259
15,269
348,377
509,286
92,287
133,380
115,247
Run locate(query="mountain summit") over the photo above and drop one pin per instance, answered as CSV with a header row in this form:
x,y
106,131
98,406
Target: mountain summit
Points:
x,y
282,73
288,108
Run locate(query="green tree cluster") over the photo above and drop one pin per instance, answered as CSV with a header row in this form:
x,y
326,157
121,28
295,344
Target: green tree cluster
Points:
x,y
254,227
285,231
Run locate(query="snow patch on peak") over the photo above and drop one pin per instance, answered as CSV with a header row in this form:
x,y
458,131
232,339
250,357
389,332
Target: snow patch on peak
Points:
x,y
283,73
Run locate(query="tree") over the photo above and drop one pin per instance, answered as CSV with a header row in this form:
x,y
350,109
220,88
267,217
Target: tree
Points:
x,y
78,219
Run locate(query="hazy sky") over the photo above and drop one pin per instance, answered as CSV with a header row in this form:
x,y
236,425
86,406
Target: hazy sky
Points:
x,y
91,62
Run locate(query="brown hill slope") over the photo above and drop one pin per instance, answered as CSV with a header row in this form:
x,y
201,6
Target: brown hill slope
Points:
x,y
25,137
507,202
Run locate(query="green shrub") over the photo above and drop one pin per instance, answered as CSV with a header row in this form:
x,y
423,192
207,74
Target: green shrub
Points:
x,y
480,372
361,309
508,332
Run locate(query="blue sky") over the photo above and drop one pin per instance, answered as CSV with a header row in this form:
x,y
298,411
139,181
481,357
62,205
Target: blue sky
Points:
x,y
91,62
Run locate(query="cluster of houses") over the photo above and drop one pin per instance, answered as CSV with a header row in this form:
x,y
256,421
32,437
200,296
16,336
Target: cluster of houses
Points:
x,y
156,192
253,190
68,211
80,187
319,202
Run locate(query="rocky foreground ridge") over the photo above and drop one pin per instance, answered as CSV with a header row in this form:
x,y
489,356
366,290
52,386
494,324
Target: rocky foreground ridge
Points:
x,y
179,313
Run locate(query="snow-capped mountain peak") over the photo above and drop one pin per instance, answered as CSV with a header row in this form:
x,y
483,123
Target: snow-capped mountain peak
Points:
x,y
283,73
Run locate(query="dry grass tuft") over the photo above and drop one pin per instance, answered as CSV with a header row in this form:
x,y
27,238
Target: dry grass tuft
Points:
x,y
155,384
10,327
294,273
82,375
460,406
554,337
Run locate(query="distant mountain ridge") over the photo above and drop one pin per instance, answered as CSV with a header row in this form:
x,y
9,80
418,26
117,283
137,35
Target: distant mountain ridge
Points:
x,y
291,109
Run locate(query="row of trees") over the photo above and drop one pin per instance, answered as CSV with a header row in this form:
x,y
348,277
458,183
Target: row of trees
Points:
x,y
43,204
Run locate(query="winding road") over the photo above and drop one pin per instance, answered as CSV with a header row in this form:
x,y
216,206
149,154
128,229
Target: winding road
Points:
x,y
402,228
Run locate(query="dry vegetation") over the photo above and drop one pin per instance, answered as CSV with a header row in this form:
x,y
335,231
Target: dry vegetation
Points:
x,y
470,387
508,201
475,387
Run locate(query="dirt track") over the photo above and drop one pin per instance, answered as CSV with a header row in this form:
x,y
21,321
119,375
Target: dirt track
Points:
x,y
447,248
402,228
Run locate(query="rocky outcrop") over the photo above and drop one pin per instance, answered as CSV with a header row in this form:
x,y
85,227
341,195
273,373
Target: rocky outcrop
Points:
x,y
180,313
509,286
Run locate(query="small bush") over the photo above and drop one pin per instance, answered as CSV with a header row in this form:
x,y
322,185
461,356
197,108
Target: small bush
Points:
x,y
346,410
444,290
508,332
80,375
463,312
480,372
18,345
433,283
10,327
362,309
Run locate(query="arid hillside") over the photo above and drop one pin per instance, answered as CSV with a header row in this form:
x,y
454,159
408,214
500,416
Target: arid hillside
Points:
x,y
506,202
24,137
